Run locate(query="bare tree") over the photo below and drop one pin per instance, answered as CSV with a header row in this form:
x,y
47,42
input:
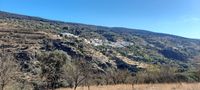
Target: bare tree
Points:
x,y
77,72
112,76
124,76
118,76
7,69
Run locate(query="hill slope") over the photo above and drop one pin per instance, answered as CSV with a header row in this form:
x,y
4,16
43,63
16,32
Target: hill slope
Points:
x,y
106,47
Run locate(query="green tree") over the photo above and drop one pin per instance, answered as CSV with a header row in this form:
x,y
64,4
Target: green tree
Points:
x,y
52,63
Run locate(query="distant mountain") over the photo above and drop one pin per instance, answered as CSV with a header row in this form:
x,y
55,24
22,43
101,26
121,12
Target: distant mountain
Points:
x,y
106,47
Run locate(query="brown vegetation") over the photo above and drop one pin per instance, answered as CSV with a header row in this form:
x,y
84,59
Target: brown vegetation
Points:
x,y
8,69
178,86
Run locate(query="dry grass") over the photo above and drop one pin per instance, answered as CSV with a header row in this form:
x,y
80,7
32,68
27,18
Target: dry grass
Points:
x,y
182,86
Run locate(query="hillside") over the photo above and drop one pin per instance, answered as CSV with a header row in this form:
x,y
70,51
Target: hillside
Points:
x,y
104,48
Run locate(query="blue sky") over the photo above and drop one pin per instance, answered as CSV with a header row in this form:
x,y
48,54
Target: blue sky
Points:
x,y
178,17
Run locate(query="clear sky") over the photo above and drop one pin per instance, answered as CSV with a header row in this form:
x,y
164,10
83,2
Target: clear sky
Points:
x,y
178,17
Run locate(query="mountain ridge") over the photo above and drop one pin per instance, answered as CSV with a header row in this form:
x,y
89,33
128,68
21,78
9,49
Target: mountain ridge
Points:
x,y
8,14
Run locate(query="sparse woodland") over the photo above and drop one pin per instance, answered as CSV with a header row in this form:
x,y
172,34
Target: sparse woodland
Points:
x,y
57,69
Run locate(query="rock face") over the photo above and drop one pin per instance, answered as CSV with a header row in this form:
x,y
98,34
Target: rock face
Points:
x,y
104,47
23,56
173,54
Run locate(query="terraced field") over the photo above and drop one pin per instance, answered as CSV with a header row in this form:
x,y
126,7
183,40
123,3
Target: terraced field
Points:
x,y
14,39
